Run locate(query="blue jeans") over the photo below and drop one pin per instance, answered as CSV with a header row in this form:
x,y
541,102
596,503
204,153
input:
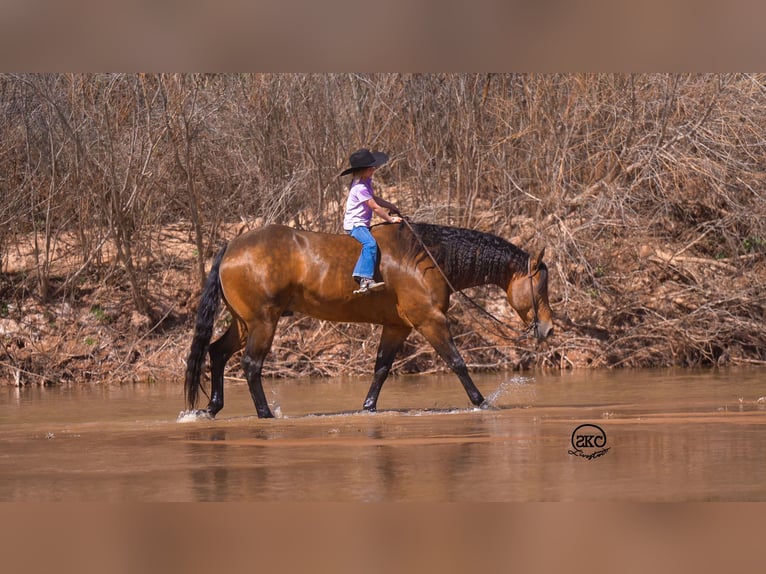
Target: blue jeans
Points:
x,y
365,266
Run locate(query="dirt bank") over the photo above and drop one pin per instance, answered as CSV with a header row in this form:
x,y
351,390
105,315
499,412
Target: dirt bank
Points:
x,y
650,305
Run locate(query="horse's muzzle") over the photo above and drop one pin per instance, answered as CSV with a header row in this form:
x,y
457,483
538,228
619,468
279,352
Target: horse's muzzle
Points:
x,y
542,330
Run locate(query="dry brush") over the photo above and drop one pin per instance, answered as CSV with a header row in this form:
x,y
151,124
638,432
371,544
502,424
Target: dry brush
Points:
x,y
646,189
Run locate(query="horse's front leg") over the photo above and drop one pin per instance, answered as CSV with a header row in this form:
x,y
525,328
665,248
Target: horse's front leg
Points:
x,y
391,340
437,334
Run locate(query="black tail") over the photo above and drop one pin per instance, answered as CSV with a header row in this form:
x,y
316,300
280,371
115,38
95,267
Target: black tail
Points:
x,y
203,331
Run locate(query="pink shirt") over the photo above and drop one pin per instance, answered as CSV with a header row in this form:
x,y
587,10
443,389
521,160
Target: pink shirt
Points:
x,y
357,211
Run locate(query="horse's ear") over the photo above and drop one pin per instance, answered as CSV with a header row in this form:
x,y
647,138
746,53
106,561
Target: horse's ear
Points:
x,y
535,260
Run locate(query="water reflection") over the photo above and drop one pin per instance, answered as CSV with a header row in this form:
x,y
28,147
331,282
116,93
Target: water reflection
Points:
x,y
673,435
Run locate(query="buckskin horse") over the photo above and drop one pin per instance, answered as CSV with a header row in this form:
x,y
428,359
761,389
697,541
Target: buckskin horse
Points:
x,y
273,270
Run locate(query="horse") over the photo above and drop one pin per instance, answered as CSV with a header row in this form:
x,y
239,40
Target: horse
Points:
x,y
275,270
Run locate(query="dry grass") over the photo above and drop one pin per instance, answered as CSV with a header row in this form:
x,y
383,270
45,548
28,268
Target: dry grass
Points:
x,y
647,190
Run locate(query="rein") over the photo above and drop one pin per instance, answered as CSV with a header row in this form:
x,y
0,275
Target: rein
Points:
x,y
534,325
521,334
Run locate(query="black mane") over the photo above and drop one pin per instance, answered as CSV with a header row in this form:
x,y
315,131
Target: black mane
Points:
x,y
469,257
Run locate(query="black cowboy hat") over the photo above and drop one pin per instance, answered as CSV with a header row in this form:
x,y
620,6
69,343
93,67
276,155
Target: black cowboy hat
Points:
x,y
364,158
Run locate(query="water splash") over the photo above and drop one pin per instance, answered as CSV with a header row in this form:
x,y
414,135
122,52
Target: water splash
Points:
x,y
193,415
506,385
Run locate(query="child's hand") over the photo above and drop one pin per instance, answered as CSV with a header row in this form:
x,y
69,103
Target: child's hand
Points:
x,y
396,219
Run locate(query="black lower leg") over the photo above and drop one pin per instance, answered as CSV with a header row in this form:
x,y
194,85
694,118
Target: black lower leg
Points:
x,y
391,340
448,351
371,402
220,352
217,365
474,394
216,399
252,368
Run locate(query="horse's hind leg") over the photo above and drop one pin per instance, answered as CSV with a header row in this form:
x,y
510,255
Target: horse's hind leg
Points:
x,y
220,352
391,340
437,333
261,334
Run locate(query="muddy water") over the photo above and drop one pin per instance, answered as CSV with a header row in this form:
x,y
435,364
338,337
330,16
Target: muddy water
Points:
x,y
670,435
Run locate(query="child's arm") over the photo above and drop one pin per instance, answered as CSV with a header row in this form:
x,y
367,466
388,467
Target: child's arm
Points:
x,y
386,205
381,207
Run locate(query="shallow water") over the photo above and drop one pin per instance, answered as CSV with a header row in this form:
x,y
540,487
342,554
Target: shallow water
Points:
x,y
671,436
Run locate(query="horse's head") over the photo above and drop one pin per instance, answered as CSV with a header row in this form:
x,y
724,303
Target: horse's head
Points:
x,y
528,295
